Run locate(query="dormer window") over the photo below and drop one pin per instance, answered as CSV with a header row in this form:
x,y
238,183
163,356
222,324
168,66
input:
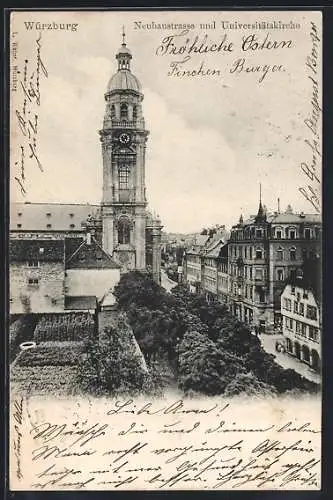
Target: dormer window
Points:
x,y
71,215
19,226
278,233
48,214
72,226
19,214
48,226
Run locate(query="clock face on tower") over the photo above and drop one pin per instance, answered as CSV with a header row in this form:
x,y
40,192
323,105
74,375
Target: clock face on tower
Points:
x,y
124,138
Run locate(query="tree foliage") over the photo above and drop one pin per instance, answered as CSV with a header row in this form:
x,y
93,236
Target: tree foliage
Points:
x,y
209,350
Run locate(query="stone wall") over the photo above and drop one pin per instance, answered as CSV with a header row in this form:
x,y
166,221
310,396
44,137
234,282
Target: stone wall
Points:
x,y
43,297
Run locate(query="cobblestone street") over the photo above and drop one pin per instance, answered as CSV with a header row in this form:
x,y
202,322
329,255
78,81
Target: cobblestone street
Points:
x,y
286,360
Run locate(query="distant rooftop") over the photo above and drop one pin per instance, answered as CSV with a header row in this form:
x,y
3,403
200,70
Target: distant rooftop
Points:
x,y
50,216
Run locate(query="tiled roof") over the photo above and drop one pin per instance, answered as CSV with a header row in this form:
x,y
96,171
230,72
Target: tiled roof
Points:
x,y
41,250
82,303
50,216
294,218
90,256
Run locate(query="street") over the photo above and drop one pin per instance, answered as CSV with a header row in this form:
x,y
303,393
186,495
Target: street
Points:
x,y
286,360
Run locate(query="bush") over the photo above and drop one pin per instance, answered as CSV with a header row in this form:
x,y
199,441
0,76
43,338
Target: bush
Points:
x,y
64,327
114,364
52,354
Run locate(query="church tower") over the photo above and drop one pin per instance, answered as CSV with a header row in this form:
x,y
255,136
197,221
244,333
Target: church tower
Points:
x,y
123,138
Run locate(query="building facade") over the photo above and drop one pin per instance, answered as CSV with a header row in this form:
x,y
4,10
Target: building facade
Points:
x,y
301,323
250,270
264,253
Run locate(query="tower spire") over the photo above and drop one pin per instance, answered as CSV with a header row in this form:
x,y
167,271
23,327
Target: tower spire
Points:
x,y
123,35
261,214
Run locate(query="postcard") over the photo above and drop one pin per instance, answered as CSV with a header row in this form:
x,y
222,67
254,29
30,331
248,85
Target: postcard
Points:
x,y
165,250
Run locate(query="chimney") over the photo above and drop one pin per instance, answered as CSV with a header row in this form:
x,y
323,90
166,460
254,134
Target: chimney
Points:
x,y
88,238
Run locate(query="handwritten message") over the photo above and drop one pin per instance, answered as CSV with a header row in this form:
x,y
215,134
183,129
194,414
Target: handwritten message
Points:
x,y
167,444
26,82
312,167
181,47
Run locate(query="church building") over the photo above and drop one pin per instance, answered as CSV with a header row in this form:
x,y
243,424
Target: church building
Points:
x,y
118,235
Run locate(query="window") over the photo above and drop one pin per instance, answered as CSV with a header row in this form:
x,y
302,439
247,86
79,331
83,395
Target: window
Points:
x,y
301,309
72,225
292,274
41,250
261,296
311,312
71,215
279,253
313,333
19,225
251,273
124,232
292,290
33,263
245,252
123,111
135,113
305,295
235,251
289,323
278,234
292,234
251,293
48,226
259,253
307,233
287,304
298,327
250,252
48,214
296,307
280,274
303,329
259,233
292,252
113,112
33,281
258,274
124,176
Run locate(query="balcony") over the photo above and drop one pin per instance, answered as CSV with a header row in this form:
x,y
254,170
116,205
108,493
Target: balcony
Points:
x,y
123,124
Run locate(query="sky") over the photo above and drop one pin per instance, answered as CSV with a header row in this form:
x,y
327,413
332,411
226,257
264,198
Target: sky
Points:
x,y
212,140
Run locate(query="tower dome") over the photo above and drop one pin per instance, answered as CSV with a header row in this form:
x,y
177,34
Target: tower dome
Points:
x,y
124,78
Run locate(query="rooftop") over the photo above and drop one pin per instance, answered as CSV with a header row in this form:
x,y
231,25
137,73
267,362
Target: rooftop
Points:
x,y
50,216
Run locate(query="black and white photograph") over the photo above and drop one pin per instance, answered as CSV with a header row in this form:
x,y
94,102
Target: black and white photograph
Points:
x,y
165,250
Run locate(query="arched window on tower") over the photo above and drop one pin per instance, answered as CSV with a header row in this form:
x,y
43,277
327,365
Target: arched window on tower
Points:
x,y
123,111
113,112
135,113
124,232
